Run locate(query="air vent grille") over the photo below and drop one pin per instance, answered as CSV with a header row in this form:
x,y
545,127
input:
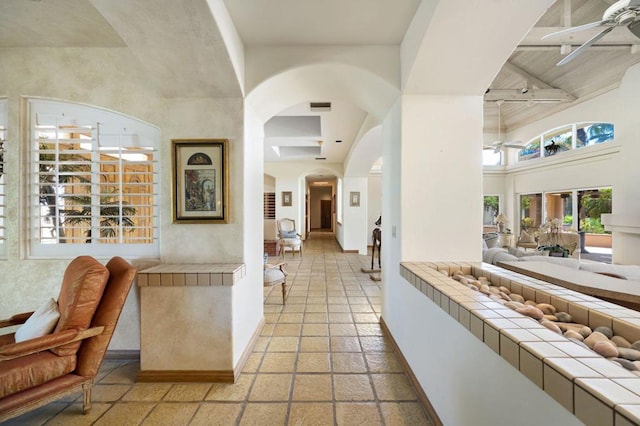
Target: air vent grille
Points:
x,y
320,106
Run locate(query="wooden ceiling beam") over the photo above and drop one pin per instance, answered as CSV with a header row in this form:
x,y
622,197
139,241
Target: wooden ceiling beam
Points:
x,y
533,95
531,79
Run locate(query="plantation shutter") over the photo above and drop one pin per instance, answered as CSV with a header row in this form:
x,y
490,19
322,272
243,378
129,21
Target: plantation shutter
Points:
x,y
3,179
269,205
94,179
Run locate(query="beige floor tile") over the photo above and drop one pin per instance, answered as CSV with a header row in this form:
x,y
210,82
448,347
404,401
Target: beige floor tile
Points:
x,y
217,414
263,414
354,414
253,362
339,309
291,318
314,344
366,318
311,414
283,344
375,344
363,309
231,391
345,344
294,308
72,415
278,362
147,392
267,330
393,387
270,318
404,414
316,308
123,374
383,362
271,387
287,330
188,392
316,317
352,387
312,387
129,413
313,362
348,362
261,344
315,330
108,393
369,329
171,413
342,330
339,317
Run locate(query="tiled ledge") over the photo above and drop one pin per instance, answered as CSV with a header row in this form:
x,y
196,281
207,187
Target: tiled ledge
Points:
x,y
594,389
192,274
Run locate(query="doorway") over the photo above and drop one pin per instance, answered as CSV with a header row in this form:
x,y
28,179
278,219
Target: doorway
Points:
x,y
325,214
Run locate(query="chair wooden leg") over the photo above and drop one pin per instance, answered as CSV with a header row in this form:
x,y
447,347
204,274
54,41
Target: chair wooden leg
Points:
x,y
86,397
284,292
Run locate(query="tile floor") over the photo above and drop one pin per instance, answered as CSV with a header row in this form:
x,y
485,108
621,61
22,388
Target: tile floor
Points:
x,y
321,360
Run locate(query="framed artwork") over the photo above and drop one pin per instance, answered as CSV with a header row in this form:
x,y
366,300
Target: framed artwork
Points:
x,y
354,199
200,180
287,200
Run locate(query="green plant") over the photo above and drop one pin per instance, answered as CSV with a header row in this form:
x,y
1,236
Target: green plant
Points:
x,y
491,201
526,223
567,220
592,225
596,204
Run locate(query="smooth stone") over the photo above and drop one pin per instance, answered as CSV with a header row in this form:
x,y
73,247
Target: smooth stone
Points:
x,y
513,305
516,298
550,317
531,311
530,303
637,364
471,277
606,349
636,345
505,297
504,289
551,326
457,277
604,330
572,334
457,273
585,331
547,308
621,342
564,317
494,290
485,289
628,353
594,338
629,365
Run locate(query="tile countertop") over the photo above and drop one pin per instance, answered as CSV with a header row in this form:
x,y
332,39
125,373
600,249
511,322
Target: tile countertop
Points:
x,y
596,390
192,274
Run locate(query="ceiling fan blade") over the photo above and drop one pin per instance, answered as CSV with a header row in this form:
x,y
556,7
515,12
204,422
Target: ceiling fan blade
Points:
x,y
582,48
514,144
576,29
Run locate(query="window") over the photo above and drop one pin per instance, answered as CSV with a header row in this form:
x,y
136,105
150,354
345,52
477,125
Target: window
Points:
x,y
566,138
491,158
491,209
269,205
94,182
3,147
530,210
559,205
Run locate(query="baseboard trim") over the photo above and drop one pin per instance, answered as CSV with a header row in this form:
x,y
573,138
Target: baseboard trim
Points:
x,y
247,352
350,251
161,376
122,355
422,396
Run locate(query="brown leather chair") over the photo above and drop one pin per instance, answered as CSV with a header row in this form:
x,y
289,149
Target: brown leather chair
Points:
x,y
38,371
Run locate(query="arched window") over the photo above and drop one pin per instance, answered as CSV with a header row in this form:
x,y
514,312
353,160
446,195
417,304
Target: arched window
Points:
x,y
94,182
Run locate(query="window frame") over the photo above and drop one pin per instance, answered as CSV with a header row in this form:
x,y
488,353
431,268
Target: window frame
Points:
x,y
111,129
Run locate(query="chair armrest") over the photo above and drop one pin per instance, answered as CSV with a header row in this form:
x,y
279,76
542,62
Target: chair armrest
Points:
x,y
50,341
280,266
17,319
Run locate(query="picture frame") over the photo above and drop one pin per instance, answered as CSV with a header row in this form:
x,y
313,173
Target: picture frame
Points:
x,y
287,198
354,199
200,176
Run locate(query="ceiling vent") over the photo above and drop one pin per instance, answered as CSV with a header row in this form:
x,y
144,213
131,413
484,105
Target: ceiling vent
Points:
x,y
320,106
321,158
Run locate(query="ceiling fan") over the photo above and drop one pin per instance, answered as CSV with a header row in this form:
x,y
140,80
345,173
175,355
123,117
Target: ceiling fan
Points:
x,y
499,145
622,12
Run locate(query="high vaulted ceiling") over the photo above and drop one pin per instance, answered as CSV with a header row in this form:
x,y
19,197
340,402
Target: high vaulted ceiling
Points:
x,y
164,35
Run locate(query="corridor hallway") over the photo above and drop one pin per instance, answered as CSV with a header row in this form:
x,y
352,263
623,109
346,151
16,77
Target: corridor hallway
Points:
x,y
321,360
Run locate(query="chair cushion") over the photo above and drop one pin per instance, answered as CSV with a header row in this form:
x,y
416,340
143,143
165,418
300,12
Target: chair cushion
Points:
x,y
273,276
525,237
288,234
40,323
26,372
82,287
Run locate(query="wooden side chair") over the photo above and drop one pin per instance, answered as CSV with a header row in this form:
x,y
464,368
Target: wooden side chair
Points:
x,y
274,275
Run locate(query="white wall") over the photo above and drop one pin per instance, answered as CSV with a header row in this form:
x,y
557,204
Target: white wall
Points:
x,y
354,218
374,203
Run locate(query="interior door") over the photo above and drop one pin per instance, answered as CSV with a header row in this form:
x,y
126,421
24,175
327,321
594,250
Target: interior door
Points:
x,y
325,214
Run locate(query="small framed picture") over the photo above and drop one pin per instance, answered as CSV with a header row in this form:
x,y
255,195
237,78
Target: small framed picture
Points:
x,y
354,199
287,199
200,184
